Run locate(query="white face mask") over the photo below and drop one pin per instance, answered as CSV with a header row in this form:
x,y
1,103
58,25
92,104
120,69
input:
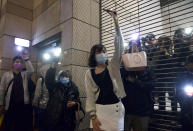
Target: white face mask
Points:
x,y
101,58
64,80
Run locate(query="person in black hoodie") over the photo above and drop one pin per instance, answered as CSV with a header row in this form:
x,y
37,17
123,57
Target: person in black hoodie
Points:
x,y
184,94
63,102
138,101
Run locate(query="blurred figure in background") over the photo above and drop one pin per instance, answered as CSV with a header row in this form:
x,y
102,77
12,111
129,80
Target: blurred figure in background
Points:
x,y
63,101
166,63
150,46
184,94
40,99
149,43
181,44
14,96
138,102
73,100
166,46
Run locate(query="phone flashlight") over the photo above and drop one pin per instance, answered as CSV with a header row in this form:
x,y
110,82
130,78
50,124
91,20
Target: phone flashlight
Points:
x,y
189,90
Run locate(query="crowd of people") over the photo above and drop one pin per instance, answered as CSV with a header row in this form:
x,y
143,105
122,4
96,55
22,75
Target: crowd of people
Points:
x,y
117,99
50,105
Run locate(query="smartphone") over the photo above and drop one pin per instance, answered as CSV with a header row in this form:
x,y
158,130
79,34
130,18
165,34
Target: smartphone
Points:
x,y
107,10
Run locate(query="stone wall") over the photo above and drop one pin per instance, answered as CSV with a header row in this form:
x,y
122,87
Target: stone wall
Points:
x,y
15,21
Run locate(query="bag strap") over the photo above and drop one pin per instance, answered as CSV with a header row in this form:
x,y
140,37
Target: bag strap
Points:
x,y
41,91
7,89
80,109
133,47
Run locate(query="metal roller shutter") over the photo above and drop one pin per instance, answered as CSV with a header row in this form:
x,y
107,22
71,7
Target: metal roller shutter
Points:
x,y
158,17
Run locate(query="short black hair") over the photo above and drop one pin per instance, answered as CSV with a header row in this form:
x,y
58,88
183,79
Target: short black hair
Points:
x,y
189,59
92,60
17,57
149,37
64,73
179,33
165,40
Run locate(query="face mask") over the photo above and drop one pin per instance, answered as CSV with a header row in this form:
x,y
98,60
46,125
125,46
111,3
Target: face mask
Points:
x,y
101,58
64,80
17,66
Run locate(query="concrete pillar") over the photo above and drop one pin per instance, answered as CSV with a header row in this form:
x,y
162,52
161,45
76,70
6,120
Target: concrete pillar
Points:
x,y
78,22
15,21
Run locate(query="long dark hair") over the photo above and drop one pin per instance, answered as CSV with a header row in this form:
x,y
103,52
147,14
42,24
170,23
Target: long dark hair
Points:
x,y
92,60
50,79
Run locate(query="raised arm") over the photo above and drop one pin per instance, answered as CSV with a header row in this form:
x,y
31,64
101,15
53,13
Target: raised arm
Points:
x,y
28,64
29,68
2,90
118,43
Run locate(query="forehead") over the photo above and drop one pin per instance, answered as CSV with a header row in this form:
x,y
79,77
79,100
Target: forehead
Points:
x,y
103,49
64,76
17,61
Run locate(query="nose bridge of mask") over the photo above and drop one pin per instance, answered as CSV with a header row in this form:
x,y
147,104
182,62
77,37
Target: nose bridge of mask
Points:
x,y
102,55
101,58
64,79
17,63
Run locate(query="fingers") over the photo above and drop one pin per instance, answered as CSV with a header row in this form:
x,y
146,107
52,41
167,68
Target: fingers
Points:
x,y
70,104
96,125
111,12
97,128
99,123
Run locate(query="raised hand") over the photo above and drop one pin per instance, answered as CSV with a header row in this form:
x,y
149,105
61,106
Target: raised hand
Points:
x,y
114,15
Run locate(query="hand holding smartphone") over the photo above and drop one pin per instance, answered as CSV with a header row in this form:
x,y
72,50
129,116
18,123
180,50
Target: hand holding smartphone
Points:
x,y
114,15
110,11
25,54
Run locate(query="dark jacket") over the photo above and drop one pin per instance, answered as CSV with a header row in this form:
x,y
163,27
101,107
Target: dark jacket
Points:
x,y
58,116
186,103
138,100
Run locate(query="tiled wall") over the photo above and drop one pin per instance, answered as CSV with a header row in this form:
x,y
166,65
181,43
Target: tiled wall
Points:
x,y
37,20
85,35
78,21
15,21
